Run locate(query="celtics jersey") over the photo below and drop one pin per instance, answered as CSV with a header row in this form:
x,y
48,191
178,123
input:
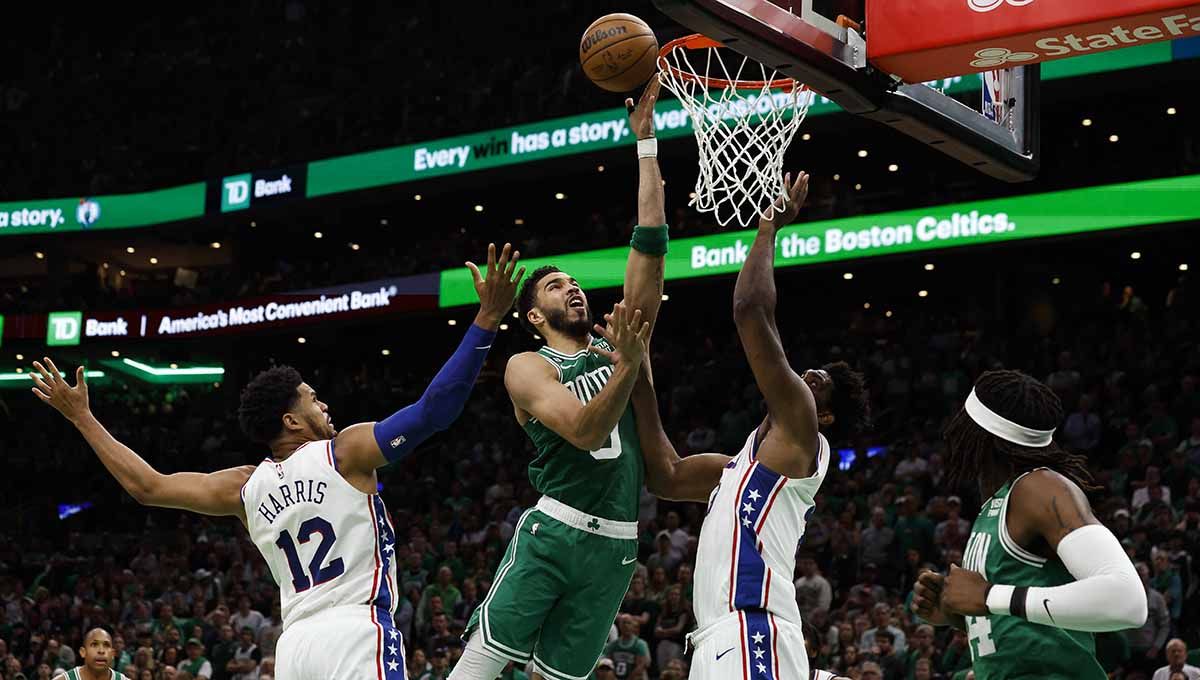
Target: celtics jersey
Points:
x,y
1008,647
606,482
76,673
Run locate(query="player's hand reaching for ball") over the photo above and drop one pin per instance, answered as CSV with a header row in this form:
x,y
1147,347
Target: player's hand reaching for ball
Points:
x,y
628,335
497,289
641,117
50,387
787,205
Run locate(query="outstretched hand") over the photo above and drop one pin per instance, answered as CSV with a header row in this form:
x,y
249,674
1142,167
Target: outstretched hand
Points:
x,y
50,387
628,335
497,289
787,205
641,117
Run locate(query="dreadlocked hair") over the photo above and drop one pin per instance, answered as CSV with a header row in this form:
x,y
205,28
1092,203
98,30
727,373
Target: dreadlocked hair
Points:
x,y
851,402
264,401
528,294
1022,400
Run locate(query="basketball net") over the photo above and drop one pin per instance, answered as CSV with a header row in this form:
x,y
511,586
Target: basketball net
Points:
x,y
742,126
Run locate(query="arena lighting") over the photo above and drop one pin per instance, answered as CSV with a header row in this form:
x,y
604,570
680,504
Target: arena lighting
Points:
x,y
130,249
172,371
1114,138
516,316
478,208
317,234
40,255
253,224
115,353
21,357
858,187
174,365
866,305
105,265
385,352
893,167
836,177
354,246
503,326
452,322
922,293
1170,110
666,297
1182,267
848,275
154,260
929,266
1087,122
1135,255
215,245
560,195
599,168
519,221
417,197
301,340
806,136
19,374
862,153
122,272
888,313
1056,280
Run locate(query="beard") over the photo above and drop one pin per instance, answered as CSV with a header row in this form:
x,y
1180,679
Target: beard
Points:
x,y
572,328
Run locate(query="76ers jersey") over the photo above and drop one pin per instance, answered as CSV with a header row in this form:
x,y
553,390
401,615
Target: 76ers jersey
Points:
x,y
327,543
747,552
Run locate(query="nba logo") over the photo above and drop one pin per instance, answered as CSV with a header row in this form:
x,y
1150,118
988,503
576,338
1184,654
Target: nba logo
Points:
x,y
995,95
279,470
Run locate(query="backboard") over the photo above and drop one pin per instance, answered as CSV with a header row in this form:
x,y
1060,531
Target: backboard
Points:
x,y
823,43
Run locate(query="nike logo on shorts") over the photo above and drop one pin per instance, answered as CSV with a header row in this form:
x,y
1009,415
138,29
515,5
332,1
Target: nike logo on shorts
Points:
x,y
627,561
725,652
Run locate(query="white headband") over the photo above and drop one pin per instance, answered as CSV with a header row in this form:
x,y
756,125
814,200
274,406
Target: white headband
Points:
x,y
1003,427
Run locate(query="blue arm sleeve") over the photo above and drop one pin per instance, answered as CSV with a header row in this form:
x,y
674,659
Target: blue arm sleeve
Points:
x,y
442,401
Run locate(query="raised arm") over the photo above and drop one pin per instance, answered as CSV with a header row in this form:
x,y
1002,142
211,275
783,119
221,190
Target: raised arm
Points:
x,y
789,399
644,269
362,448
533,385
215,493
667,475
1048,509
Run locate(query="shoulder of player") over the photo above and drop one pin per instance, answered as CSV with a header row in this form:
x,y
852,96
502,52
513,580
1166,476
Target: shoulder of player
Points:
x,y
525,364
1049,502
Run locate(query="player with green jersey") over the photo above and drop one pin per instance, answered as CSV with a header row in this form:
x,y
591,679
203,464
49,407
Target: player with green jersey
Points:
x,y
98,657
562,579
1040,574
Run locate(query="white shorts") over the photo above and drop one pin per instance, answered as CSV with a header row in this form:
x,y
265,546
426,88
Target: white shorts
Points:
x,y
749,645
352,642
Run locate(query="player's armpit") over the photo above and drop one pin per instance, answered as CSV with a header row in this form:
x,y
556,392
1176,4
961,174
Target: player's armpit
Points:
x,y
1046,505
213,493
358,453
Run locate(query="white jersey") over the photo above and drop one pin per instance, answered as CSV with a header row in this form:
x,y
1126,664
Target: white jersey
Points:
x,y
747,552
327,543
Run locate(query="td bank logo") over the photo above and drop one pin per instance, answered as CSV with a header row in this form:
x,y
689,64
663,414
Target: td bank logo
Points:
x,y
989,5
235,193
63,328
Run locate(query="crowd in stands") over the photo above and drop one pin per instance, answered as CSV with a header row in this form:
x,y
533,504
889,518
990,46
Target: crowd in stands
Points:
x,y
189,597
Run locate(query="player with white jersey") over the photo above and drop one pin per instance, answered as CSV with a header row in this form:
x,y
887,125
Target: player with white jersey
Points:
x,y
311,506
760,499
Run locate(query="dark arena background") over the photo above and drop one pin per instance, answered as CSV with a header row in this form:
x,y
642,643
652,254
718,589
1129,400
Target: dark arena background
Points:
x,y
191,195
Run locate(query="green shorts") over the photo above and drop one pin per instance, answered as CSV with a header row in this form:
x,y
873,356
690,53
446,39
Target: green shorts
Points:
x,y
555,596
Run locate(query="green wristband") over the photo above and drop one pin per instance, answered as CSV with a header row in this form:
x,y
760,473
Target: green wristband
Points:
x,y
650,240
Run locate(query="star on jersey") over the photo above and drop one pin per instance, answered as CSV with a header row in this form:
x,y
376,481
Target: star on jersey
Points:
x,y
754,494
758,653
758,638
747,508
746,521
393,666
393,634
762,668
392,650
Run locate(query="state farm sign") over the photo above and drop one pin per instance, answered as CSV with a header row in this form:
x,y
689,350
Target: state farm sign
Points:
x,y
981,35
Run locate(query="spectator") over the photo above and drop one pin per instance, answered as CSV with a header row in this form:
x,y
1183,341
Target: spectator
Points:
x,y
952,532
922,649
878,540
674,622
1146,642
1152,481
271,629
605,670
444,589
637,604
869,670
679,537
440,636
1082,429
1177,655
813,591
439,665
223,653
665,555
885,655
246,656
882,614
957,656
630,654
245,617
196,664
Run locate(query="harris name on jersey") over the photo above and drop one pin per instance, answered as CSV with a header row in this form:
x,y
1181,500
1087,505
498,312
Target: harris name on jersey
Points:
x,y
300,491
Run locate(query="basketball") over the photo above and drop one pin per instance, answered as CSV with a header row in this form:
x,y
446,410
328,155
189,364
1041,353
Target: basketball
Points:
x,y
618,52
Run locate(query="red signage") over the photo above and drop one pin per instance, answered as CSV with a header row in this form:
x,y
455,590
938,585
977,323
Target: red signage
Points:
x,y
921,40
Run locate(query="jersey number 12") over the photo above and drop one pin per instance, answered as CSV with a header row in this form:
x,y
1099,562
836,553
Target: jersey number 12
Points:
x,y
300,580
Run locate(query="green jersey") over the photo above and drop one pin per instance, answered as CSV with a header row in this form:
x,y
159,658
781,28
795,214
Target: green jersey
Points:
x,y
1007,647
76,673
606,482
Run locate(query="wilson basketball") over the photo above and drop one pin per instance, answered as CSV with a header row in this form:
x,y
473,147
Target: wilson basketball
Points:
x,y
618,52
